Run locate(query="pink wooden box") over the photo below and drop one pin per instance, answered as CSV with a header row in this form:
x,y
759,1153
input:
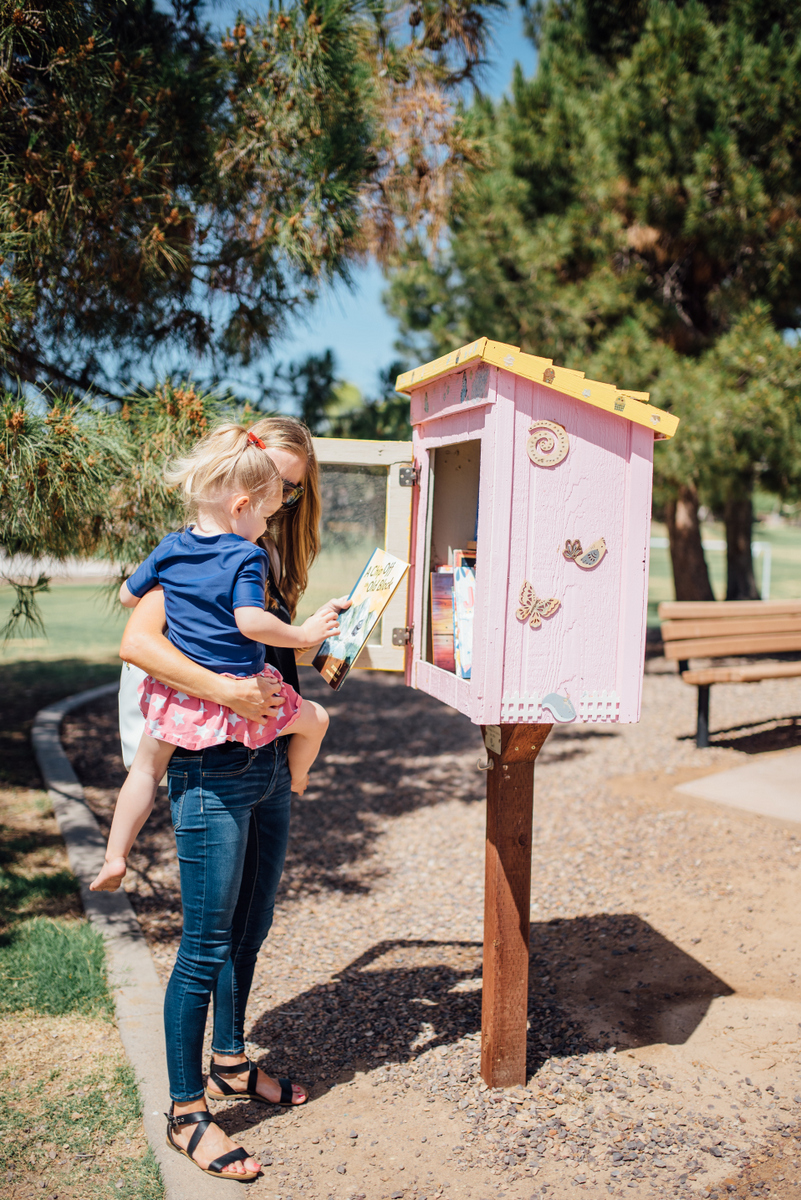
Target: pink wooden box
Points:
x,y
563,506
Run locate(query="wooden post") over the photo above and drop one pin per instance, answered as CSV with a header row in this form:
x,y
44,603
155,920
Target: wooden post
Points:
x,y
507,900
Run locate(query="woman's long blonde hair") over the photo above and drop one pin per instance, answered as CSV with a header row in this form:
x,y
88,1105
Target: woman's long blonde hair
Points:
x,y
295,531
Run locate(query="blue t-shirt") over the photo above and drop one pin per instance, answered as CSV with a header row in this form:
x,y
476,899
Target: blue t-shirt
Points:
x,y
204,580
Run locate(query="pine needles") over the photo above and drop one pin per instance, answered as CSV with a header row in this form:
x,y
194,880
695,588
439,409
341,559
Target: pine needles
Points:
x,y
79,482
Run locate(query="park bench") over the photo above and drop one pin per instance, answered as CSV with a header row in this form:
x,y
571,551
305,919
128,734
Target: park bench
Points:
x,y
729,629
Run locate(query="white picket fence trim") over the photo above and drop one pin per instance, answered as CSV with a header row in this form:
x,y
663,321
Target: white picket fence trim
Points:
x,y
520,708
599,706
524,708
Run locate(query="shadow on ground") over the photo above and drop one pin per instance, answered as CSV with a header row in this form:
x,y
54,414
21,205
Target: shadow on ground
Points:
x,y
760,737
29,887
595,982
389,751
25,687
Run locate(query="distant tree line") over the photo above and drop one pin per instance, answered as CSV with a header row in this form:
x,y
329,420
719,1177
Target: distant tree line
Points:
x,y
331,408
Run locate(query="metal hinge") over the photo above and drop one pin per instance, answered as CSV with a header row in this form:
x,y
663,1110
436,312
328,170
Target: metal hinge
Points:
x,y
403,635
408,476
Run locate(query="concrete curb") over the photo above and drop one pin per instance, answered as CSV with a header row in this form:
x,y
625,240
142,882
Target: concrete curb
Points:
x,y
138,994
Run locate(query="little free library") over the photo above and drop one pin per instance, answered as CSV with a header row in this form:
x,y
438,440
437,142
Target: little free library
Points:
x,y
523,506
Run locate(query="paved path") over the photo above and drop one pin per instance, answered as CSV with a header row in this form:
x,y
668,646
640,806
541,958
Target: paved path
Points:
x,y
770,786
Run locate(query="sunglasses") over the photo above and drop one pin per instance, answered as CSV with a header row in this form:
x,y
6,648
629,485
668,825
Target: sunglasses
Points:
x,y
292,492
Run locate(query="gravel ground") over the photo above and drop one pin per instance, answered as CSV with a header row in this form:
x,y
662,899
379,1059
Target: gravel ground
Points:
x,y
664,1007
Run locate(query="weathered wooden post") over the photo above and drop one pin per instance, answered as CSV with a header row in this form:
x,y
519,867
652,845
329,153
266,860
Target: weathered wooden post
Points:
x,y
528,597
511,751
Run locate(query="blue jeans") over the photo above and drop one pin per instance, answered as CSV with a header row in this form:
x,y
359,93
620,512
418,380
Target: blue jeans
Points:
x,y
230,809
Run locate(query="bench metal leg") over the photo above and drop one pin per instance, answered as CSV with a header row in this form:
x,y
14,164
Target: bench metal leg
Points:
x,y
702,730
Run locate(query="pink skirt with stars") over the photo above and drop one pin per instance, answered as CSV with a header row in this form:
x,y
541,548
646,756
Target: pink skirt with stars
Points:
x,y
172,716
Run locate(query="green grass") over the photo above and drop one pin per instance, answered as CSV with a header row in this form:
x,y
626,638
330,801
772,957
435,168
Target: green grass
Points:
x,y
785,544
88,1117
52,968
83,1118
22,892
81,620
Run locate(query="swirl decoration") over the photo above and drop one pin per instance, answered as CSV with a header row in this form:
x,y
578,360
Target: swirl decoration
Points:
x,y
548,443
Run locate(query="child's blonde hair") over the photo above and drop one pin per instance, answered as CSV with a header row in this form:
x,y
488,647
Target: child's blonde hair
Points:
x,y
227,459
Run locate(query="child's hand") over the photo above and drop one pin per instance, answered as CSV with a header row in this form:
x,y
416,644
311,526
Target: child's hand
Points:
x,y
111,875
298,786
321,625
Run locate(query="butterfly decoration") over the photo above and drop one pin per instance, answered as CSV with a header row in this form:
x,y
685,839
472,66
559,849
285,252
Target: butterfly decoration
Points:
x,y
532,609
586,559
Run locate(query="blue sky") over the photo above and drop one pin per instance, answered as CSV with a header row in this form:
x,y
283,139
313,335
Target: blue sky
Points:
x,y
353,321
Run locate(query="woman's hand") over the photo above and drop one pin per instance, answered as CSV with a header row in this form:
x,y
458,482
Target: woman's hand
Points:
x,y
255,699
145,645
338,606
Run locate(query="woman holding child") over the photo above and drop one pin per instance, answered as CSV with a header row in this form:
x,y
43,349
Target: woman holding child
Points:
x,y
222,709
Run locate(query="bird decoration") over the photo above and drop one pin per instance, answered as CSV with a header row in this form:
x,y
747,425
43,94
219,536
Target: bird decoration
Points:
x,y
560,707
532,609
586,559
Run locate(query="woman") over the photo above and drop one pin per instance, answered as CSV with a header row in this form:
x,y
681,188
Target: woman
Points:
x,y
230,808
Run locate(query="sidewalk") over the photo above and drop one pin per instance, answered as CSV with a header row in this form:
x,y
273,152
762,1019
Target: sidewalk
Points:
x,y
770,785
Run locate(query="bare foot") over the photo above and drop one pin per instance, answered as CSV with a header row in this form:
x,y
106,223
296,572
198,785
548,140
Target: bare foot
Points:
x,y
299,786
213,1143
111,876
266,1086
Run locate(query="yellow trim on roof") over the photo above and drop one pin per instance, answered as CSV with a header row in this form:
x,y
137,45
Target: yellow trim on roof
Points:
x,y
632,406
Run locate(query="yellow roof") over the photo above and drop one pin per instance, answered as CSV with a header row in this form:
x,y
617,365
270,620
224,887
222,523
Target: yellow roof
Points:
x,y
632,406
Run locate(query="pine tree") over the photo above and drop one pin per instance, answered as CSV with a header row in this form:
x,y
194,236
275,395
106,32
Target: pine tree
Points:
x,y
162,190
637,198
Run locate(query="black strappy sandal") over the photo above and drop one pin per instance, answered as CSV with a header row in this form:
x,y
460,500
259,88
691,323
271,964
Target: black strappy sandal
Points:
x,y
203,1119
216,1070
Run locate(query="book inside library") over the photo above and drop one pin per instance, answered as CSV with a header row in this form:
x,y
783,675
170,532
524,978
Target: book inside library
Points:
x,y
452,550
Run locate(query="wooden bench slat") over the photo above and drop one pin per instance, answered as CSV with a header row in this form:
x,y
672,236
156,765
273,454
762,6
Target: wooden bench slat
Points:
x,y
674,630
728,609
729,629
724,647
746,674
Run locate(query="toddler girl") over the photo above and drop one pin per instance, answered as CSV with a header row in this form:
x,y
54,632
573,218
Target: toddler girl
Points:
x,y
214,578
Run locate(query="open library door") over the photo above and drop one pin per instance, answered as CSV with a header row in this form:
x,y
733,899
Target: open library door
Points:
x,y
367,493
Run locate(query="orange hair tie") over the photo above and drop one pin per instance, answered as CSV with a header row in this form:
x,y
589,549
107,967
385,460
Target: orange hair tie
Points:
x,y
256,441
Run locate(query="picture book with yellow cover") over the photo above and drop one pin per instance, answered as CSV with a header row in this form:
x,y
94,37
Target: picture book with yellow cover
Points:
x,y
369,598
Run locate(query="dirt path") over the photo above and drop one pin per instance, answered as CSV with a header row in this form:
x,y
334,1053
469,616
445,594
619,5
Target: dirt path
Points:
x,y
664,1004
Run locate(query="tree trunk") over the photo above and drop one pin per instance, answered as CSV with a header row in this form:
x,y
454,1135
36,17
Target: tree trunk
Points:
x,y
738,514
690,573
